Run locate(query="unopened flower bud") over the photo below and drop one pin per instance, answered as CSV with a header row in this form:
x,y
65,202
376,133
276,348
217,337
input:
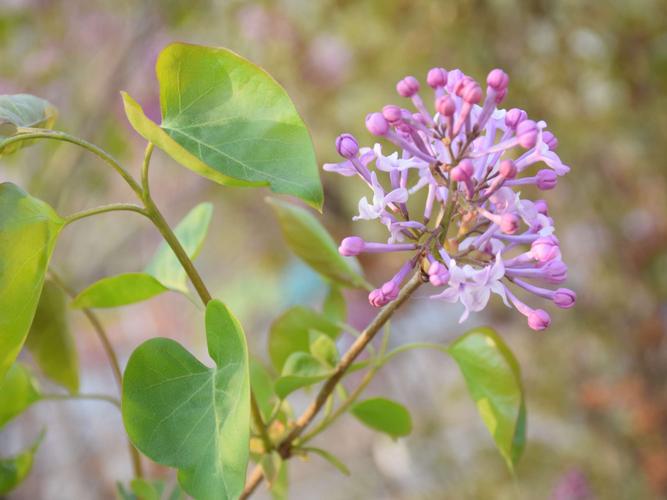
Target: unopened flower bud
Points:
x,y
550,140
377,124
546,179
438,274
498,80
509,223
347,146
555,271
542,207
545,249
539,319
392,113
351,246
407,87
526,132
508,169
437,77
390,290
564,298
515,116
472,93
445,105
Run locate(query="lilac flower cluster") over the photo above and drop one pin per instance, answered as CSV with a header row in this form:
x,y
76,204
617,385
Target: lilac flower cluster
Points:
x,y
471,233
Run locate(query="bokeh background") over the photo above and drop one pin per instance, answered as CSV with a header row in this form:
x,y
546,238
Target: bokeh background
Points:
x,y
596,71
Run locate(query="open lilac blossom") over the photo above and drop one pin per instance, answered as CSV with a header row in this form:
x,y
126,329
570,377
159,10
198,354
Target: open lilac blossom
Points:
x,y
450,195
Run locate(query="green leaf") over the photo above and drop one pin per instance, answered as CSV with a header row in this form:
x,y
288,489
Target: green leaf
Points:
x,y
384,415
271,464
181,413
262,386
13,470
308,239
290,333
191,233
120,290
300,370
230,121
28,232
494,381
334,307
329,457
147,490
323,348
50,340
18,390
23,110
279,488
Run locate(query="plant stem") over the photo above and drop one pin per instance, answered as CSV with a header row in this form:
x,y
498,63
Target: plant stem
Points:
x,y
111,355
284,448
94,397
26,134
259,423
114,207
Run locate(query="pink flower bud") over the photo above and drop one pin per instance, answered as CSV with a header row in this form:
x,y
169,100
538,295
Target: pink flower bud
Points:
x,y
390,290
461,85
459,174
472,93
545,249
498,80
392,113
550,140
564,298
445,105
539,319
351,246
542,207
515,116
467,166
377,298
508,169
509,223
347,146
407,87
526,132
437,77
546,179
555,271
377,124
438,274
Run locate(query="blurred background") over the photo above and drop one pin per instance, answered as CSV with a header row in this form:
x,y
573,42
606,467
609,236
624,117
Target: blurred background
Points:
x,y
596,71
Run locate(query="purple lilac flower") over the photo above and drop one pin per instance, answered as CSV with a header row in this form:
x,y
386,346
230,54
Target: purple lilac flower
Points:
x,y
450,195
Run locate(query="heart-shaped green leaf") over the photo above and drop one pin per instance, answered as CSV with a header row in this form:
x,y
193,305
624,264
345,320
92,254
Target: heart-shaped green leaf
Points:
x,y
308,239
14,470
494,381
262,387
291,333
50,340
183,414
119,290
18,390
384,415
191,233
301,370
28,232
23,110
230,121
